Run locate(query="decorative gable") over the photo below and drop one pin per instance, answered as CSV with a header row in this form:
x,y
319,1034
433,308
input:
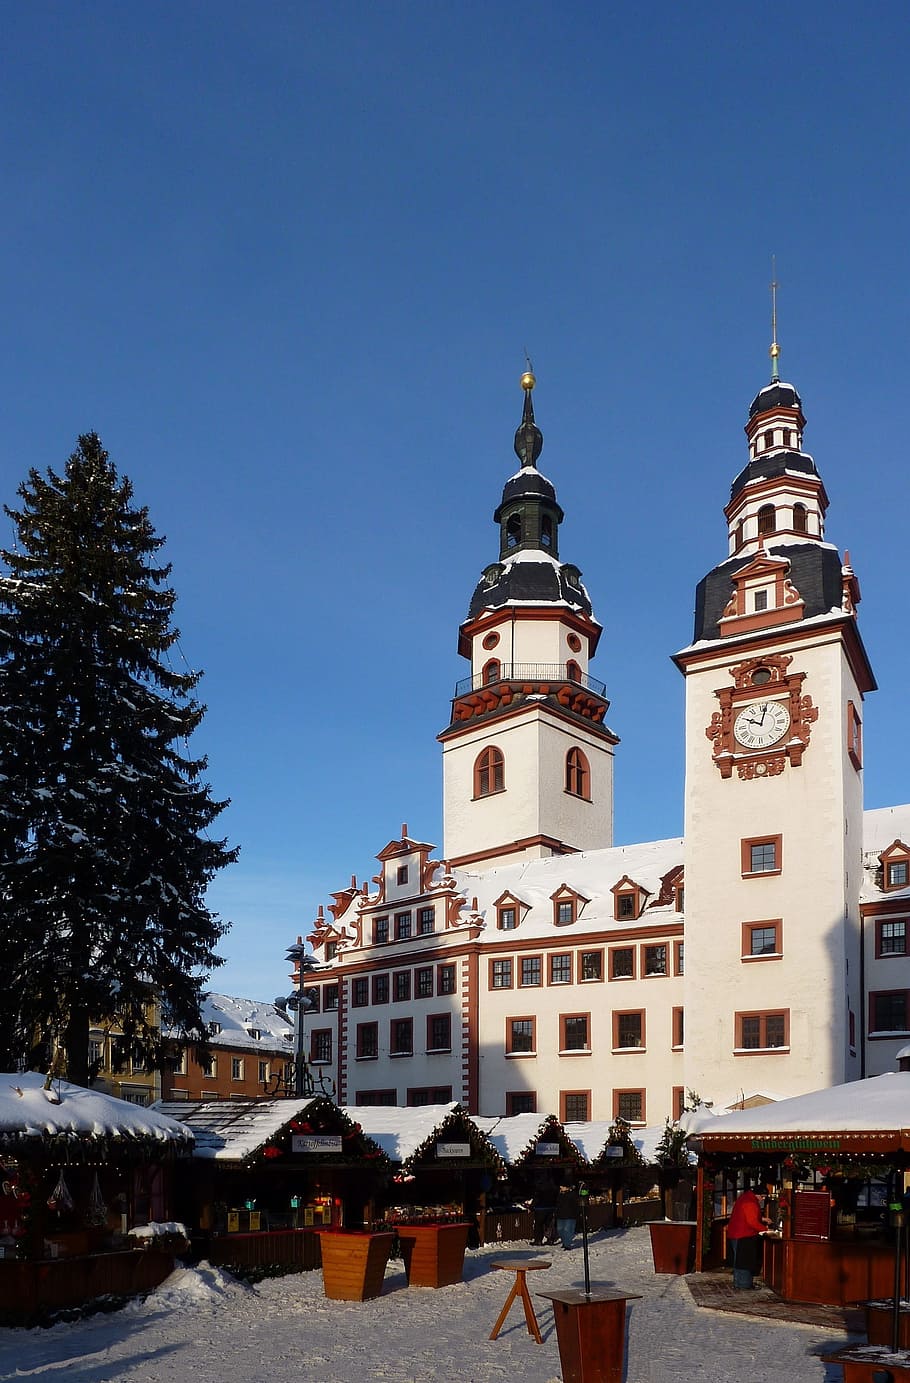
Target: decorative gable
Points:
x,y
763,596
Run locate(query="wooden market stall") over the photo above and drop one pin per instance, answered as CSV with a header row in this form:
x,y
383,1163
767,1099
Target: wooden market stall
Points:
x,y
538,1154
445,1166
267,1174
828,1163
86,1197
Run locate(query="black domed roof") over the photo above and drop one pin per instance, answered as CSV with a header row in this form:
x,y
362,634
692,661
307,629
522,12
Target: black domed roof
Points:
x,y
526,581
777,394
771,465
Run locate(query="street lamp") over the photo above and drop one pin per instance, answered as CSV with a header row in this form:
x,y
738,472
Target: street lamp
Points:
x,y
300,1003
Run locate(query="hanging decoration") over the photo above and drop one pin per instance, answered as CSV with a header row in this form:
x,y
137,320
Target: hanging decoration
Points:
x,y
60,1199
97,1209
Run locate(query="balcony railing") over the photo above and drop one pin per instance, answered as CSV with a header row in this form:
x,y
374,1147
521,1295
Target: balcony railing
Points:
x,y
531,672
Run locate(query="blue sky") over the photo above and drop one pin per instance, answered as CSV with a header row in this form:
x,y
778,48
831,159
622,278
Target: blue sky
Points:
x,y
286,259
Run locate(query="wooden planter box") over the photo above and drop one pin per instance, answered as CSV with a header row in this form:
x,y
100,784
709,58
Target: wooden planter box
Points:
x,y
867,1363
673,1245
353,1264
591,1334
433,1254
32,1292
880,1324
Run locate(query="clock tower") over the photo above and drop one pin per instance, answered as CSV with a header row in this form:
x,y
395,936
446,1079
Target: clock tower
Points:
x,y
527,758
775,681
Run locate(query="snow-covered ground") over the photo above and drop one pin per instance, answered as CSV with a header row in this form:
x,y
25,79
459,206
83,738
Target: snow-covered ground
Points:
x,y
203,1327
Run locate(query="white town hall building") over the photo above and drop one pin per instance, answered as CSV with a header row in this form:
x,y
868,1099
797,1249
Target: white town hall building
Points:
x,y
538,967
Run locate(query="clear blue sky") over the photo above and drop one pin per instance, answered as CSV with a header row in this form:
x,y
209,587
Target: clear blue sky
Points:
x,y
285,259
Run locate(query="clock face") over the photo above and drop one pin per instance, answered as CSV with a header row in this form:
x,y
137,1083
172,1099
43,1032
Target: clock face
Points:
x,y
761,724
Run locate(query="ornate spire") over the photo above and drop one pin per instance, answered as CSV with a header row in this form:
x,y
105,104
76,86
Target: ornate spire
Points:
x,y
528,437
775,348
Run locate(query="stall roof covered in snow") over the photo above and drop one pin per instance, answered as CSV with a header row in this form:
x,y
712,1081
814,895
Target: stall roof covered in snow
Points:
x,y
877,1106
238,1130
32,1115
404,1133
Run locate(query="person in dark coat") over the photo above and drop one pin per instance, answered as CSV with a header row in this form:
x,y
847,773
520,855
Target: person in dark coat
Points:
x,y
544,1207
744,1234
567,1211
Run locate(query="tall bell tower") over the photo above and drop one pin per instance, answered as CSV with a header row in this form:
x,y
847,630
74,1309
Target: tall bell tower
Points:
x,y
775,683
527,758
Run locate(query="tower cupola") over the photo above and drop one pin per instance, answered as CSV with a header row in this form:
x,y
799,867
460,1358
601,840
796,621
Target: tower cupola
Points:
x,y
528,514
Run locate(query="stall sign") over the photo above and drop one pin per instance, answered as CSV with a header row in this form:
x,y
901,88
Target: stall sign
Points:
x,y
453,1150
794,1144
614,1150
316,1142
233,1222
547,1149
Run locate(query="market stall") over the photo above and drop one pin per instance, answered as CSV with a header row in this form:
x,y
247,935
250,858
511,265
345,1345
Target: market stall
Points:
x,y
436,1200
80,1174
267,1174
827,1164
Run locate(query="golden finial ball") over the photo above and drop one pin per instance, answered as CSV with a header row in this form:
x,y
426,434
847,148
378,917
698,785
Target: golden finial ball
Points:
x,y
528,380
775,350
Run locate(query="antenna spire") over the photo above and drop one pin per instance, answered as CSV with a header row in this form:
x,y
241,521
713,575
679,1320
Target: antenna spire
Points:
x,y
775,348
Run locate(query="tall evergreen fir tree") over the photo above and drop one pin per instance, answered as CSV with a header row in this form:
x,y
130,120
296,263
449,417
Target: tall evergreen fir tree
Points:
x,y
104,851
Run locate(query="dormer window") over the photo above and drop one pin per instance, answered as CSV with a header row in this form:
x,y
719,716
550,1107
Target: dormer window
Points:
x,y
402,874
627,900
800,519
895,866
761,600
767,519
567,906
508,912
213,1029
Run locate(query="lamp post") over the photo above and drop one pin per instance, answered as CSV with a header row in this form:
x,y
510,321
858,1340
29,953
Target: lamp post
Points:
x,y
300,1003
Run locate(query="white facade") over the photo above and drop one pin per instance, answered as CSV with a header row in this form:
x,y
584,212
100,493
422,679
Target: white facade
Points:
x,y
539,967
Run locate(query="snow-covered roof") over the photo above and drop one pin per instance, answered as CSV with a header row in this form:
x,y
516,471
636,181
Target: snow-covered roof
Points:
x,y
30,1114
402,1132
233,1130
880,1104
236,1022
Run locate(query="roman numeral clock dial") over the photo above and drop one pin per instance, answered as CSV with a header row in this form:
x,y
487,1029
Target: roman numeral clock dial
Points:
x,y
764,721
761,724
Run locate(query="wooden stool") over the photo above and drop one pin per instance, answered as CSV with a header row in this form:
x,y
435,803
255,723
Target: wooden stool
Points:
x,y
520,1267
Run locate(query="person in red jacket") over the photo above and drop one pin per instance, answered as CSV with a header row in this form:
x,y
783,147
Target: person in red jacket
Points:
x,y
744,1231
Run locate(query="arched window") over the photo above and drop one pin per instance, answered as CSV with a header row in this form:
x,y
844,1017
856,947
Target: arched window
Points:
x,y
489,772
578,775
800,519
513,530
492,672
546,531
767,519
573,671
